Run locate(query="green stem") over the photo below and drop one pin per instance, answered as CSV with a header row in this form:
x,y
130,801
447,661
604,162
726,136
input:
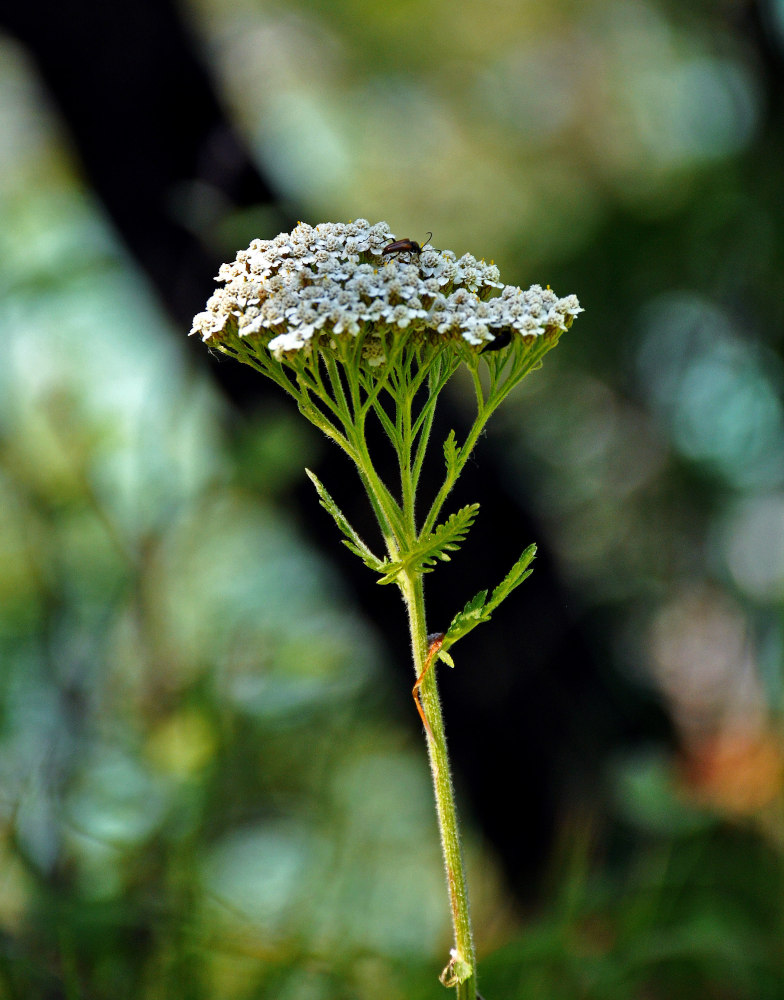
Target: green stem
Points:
x,y
521,364
398,524
438,376
391,517
407,488
464,958
384,507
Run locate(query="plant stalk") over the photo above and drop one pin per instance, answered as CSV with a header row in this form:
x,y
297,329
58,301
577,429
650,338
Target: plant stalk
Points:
x,y
463,956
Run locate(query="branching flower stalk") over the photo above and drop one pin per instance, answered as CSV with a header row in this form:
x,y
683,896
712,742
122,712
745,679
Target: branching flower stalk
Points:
x,y
356,337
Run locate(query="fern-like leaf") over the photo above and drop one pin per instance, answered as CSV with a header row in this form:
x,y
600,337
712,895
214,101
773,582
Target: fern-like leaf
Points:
x,y
471,615
451,452
519,572
479,609
352,540
434,546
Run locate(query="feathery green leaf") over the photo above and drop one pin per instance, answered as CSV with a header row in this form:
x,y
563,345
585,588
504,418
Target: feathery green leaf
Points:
x,y
352,540
434,546
479,609
451,452
519,572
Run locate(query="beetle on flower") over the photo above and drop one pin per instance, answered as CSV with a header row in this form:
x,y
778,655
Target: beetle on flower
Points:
x,y
410,247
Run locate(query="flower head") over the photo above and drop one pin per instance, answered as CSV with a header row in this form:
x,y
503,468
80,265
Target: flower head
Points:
x,y
319,285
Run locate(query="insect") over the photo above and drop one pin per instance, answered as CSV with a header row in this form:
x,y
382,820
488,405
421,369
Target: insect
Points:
x,y
502,339
406,246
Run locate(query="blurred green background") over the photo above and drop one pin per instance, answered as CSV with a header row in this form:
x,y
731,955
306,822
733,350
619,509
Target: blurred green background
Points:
x,y
209,788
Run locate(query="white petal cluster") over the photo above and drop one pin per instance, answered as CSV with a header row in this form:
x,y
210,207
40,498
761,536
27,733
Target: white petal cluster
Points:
x,y
307,287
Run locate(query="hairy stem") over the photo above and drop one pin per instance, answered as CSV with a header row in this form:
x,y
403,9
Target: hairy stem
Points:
x,y
463,963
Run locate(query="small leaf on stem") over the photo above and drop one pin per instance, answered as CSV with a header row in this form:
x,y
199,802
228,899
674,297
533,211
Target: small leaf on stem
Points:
x,y
451,452
477,611
352,539
423,556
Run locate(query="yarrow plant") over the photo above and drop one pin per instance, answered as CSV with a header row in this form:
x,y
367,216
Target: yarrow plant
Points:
x,y
356,337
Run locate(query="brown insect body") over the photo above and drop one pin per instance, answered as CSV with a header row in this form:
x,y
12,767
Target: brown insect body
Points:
x,y
405,246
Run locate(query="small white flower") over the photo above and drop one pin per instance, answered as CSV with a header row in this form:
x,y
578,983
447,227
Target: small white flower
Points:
x,y
295,340
377,312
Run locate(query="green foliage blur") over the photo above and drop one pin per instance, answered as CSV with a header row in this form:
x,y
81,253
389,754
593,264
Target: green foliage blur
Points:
x,y
204,791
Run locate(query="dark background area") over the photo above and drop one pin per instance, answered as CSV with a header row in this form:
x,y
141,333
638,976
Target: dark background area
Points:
x,y
214,774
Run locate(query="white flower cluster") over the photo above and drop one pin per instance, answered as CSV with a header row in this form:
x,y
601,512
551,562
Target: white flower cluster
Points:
x,y
317,283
